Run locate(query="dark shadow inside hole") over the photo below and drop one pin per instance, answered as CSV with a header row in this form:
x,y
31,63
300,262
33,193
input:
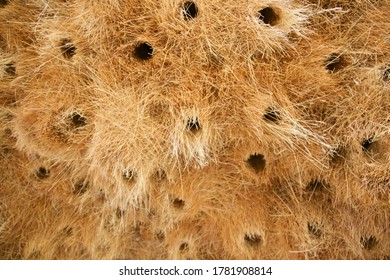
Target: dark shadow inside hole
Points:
x,y
256,162
335,62
368,242
129,175
272,115
143,51
42,173
4,3
269,16
369,145
78,120
80,187
314,230
190,10
178,203
386,74
10,69
119,213
366,144
68,49
316,185
253,240
193,125
68,230
184,246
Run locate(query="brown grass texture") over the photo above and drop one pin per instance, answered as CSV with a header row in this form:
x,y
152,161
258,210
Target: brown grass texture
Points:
x,y
172,129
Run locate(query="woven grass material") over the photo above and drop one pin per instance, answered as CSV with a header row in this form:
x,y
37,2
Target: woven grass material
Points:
x,y
197,129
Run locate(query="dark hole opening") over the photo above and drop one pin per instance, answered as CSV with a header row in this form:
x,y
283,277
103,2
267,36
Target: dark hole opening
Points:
x,y
256,162
252,240
190,10
316,185
193,125
314,230
178,203
80,188
367,144
335,62
143,51
42,173
68,230
272,115
78,120
119,213
10,69
386,74
4,3
67,48
368,242
184,246
269,16
129,175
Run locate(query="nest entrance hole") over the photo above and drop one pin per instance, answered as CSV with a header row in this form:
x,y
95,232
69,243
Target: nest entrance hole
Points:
x,y
42,173
178,203
316,185
269,16
143,51
272,115
129,175
386,74
184,246
314,230
370,146
4,3
253,240
78,120
368,243
190,10
193,125
256,162
335,62
68,49
10,69
80,188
